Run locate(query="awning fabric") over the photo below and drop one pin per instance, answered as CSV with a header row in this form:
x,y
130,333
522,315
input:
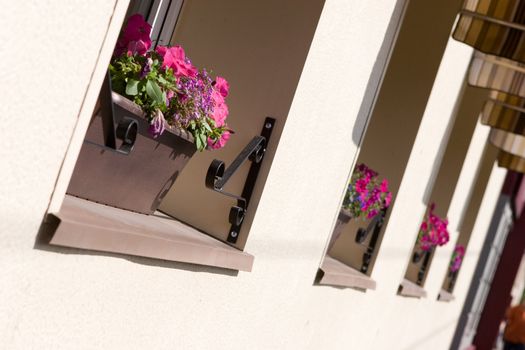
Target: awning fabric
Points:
x,y
508,142
505,112
497,73
494,27
511,162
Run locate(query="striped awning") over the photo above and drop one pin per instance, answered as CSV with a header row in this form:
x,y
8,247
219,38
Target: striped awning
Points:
x,y
494,27
505,112
508,142
497,73
511,161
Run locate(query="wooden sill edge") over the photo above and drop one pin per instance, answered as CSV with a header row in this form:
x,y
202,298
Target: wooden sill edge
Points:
x,y
445,296
410,289
336,273
88,225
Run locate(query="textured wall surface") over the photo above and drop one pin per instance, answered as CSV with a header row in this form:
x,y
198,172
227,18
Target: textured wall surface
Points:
x,y
70,299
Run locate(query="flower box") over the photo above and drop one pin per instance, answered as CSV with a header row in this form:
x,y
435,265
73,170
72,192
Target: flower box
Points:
x,y
365,198
162,108
137,181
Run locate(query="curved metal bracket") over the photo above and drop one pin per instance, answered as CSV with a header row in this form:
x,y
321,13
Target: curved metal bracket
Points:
x,y
218,176
452,281
373,227
126,129
425,255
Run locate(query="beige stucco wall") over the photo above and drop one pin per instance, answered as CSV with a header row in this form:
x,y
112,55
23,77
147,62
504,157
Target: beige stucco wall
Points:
x,y
78,300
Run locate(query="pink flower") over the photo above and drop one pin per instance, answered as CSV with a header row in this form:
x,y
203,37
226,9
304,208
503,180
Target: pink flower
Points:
x,y
222,86
221,142
220,109
175,58
135,37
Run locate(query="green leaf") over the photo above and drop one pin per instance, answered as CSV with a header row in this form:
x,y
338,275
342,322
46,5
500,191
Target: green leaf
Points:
x,y
161,80
154,92
198,142
131,87
206,126
203,142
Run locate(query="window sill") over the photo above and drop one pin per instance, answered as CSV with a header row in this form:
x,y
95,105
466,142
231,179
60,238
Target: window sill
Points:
x,y
410,289
445,296
338,274
87,225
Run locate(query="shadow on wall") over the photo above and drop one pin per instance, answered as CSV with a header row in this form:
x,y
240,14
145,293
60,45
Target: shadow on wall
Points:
x,y
427,194
378,71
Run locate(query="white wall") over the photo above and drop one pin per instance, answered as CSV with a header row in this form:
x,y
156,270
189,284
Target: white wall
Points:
x,y
71,299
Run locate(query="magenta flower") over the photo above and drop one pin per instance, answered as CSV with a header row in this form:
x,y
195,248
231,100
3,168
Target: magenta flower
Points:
x,y
361,186
222,86
372,213
135,37
138,47
366,196
175,58
220,109
388,199
433,230
220,142
384,185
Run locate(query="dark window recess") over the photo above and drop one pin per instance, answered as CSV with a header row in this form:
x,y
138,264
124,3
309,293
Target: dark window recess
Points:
x,y
452,277
337,271
417,270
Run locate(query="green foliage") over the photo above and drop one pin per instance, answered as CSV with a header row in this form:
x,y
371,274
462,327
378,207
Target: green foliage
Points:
x,y
143,88
148,88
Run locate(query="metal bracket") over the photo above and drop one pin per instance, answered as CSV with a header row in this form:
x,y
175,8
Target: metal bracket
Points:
x,y
425,255
218,176
452,280
127,128
373,227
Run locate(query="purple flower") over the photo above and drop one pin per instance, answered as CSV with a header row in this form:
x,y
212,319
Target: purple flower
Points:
x,y
146,68
158,124
457,258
